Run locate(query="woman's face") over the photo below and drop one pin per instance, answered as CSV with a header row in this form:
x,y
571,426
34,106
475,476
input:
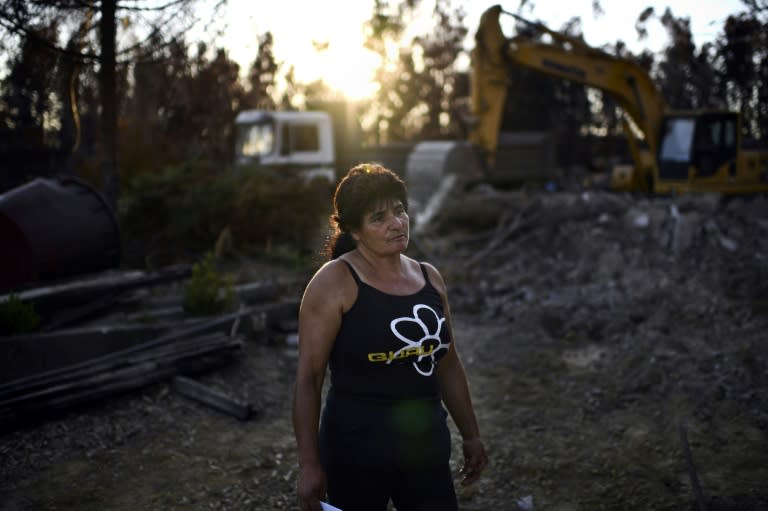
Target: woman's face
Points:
x,y
384,229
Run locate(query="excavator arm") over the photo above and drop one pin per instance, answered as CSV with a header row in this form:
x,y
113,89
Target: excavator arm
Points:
x,y
564,57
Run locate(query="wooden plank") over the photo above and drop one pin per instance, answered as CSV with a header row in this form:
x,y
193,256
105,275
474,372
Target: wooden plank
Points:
x,y
22,356
204,325
213,398
88,288
107,383
65,379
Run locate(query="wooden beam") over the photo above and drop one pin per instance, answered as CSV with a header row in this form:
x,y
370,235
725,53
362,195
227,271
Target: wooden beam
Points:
x,y
213,398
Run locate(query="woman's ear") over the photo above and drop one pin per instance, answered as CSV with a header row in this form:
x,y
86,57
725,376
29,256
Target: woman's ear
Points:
x,y
355,235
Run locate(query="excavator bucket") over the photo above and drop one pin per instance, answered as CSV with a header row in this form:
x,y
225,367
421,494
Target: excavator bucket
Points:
x,y
435,172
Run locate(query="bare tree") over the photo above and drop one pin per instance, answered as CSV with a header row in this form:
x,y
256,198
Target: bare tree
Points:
x,y
104,47
107,88
419,85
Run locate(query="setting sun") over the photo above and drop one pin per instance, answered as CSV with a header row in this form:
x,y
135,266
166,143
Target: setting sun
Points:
x,y
340,61
317,49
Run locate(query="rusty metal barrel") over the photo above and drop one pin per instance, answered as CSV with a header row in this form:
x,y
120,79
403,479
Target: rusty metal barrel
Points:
x,y
55,228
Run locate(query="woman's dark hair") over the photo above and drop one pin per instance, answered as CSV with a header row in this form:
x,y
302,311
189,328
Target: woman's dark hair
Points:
x,y
364,186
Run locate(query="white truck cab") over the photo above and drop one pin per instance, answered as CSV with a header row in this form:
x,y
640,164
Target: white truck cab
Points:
x,y
294,142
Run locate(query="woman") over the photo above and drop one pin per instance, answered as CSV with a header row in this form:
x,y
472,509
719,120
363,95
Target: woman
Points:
x,y
380,321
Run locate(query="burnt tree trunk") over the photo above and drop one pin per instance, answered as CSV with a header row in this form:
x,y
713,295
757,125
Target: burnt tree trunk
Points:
x,y
107,87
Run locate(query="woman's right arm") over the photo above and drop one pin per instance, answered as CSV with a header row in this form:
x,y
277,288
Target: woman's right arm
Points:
x,y
319,320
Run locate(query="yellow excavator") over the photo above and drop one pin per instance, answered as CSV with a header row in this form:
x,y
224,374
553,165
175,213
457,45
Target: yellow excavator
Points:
x,y
673,152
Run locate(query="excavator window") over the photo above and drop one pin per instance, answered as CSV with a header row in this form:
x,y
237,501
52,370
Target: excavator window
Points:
x,y
715,143
675,147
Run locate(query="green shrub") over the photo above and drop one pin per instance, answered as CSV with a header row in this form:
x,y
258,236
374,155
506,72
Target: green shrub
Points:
x,y
179,213
208,291
17,317
271,211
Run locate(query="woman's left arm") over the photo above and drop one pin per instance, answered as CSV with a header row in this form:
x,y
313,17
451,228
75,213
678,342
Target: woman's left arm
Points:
x,y
456,396
457,399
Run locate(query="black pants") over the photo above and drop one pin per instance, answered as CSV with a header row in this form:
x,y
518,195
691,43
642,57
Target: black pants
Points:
x,y
376,451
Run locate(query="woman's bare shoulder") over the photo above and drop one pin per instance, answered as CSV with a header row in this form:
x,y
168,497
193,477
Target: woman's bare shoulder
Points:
x,y
434,276
332,282
331,272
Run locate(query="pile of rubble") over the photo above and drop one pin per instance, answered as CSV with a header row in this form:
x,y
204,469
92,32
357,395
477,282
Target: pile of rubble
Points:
x,y
605,248
658,274
650,309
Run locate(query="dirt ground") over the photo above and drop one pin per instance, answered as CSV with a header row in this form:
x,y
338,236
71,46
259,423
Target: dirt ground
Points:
x,y
616,348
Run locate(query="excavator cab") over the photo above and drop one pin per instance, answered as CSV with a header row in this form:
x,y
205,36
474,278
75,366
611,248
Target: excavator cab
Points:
x,y
697,146
696,150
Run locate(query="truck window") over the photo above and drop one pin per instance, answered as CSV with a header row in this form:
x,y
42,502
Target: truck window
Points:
x,y
255,139
300,138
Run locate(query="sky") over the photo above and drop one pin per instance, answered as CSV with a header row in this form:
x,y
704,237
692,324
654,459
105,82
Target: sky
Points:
x,y
346,66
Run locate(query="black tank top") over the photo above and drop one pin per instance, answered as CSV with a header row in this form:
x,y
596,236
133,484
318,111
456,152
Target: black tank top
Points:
x,y
388,345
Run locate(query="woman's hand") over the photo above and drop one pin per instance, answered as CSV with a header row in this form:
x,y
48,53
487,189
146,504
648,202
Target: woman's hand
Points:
x,y
310,487
475,460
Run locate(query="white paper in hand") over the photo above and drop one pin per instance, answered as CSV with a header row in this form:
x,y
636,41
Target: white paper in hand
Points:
x,y
328,507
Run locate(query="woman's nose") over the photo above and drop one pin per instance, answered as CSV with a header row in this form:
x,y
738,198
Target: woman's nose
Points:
x,y
395,222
